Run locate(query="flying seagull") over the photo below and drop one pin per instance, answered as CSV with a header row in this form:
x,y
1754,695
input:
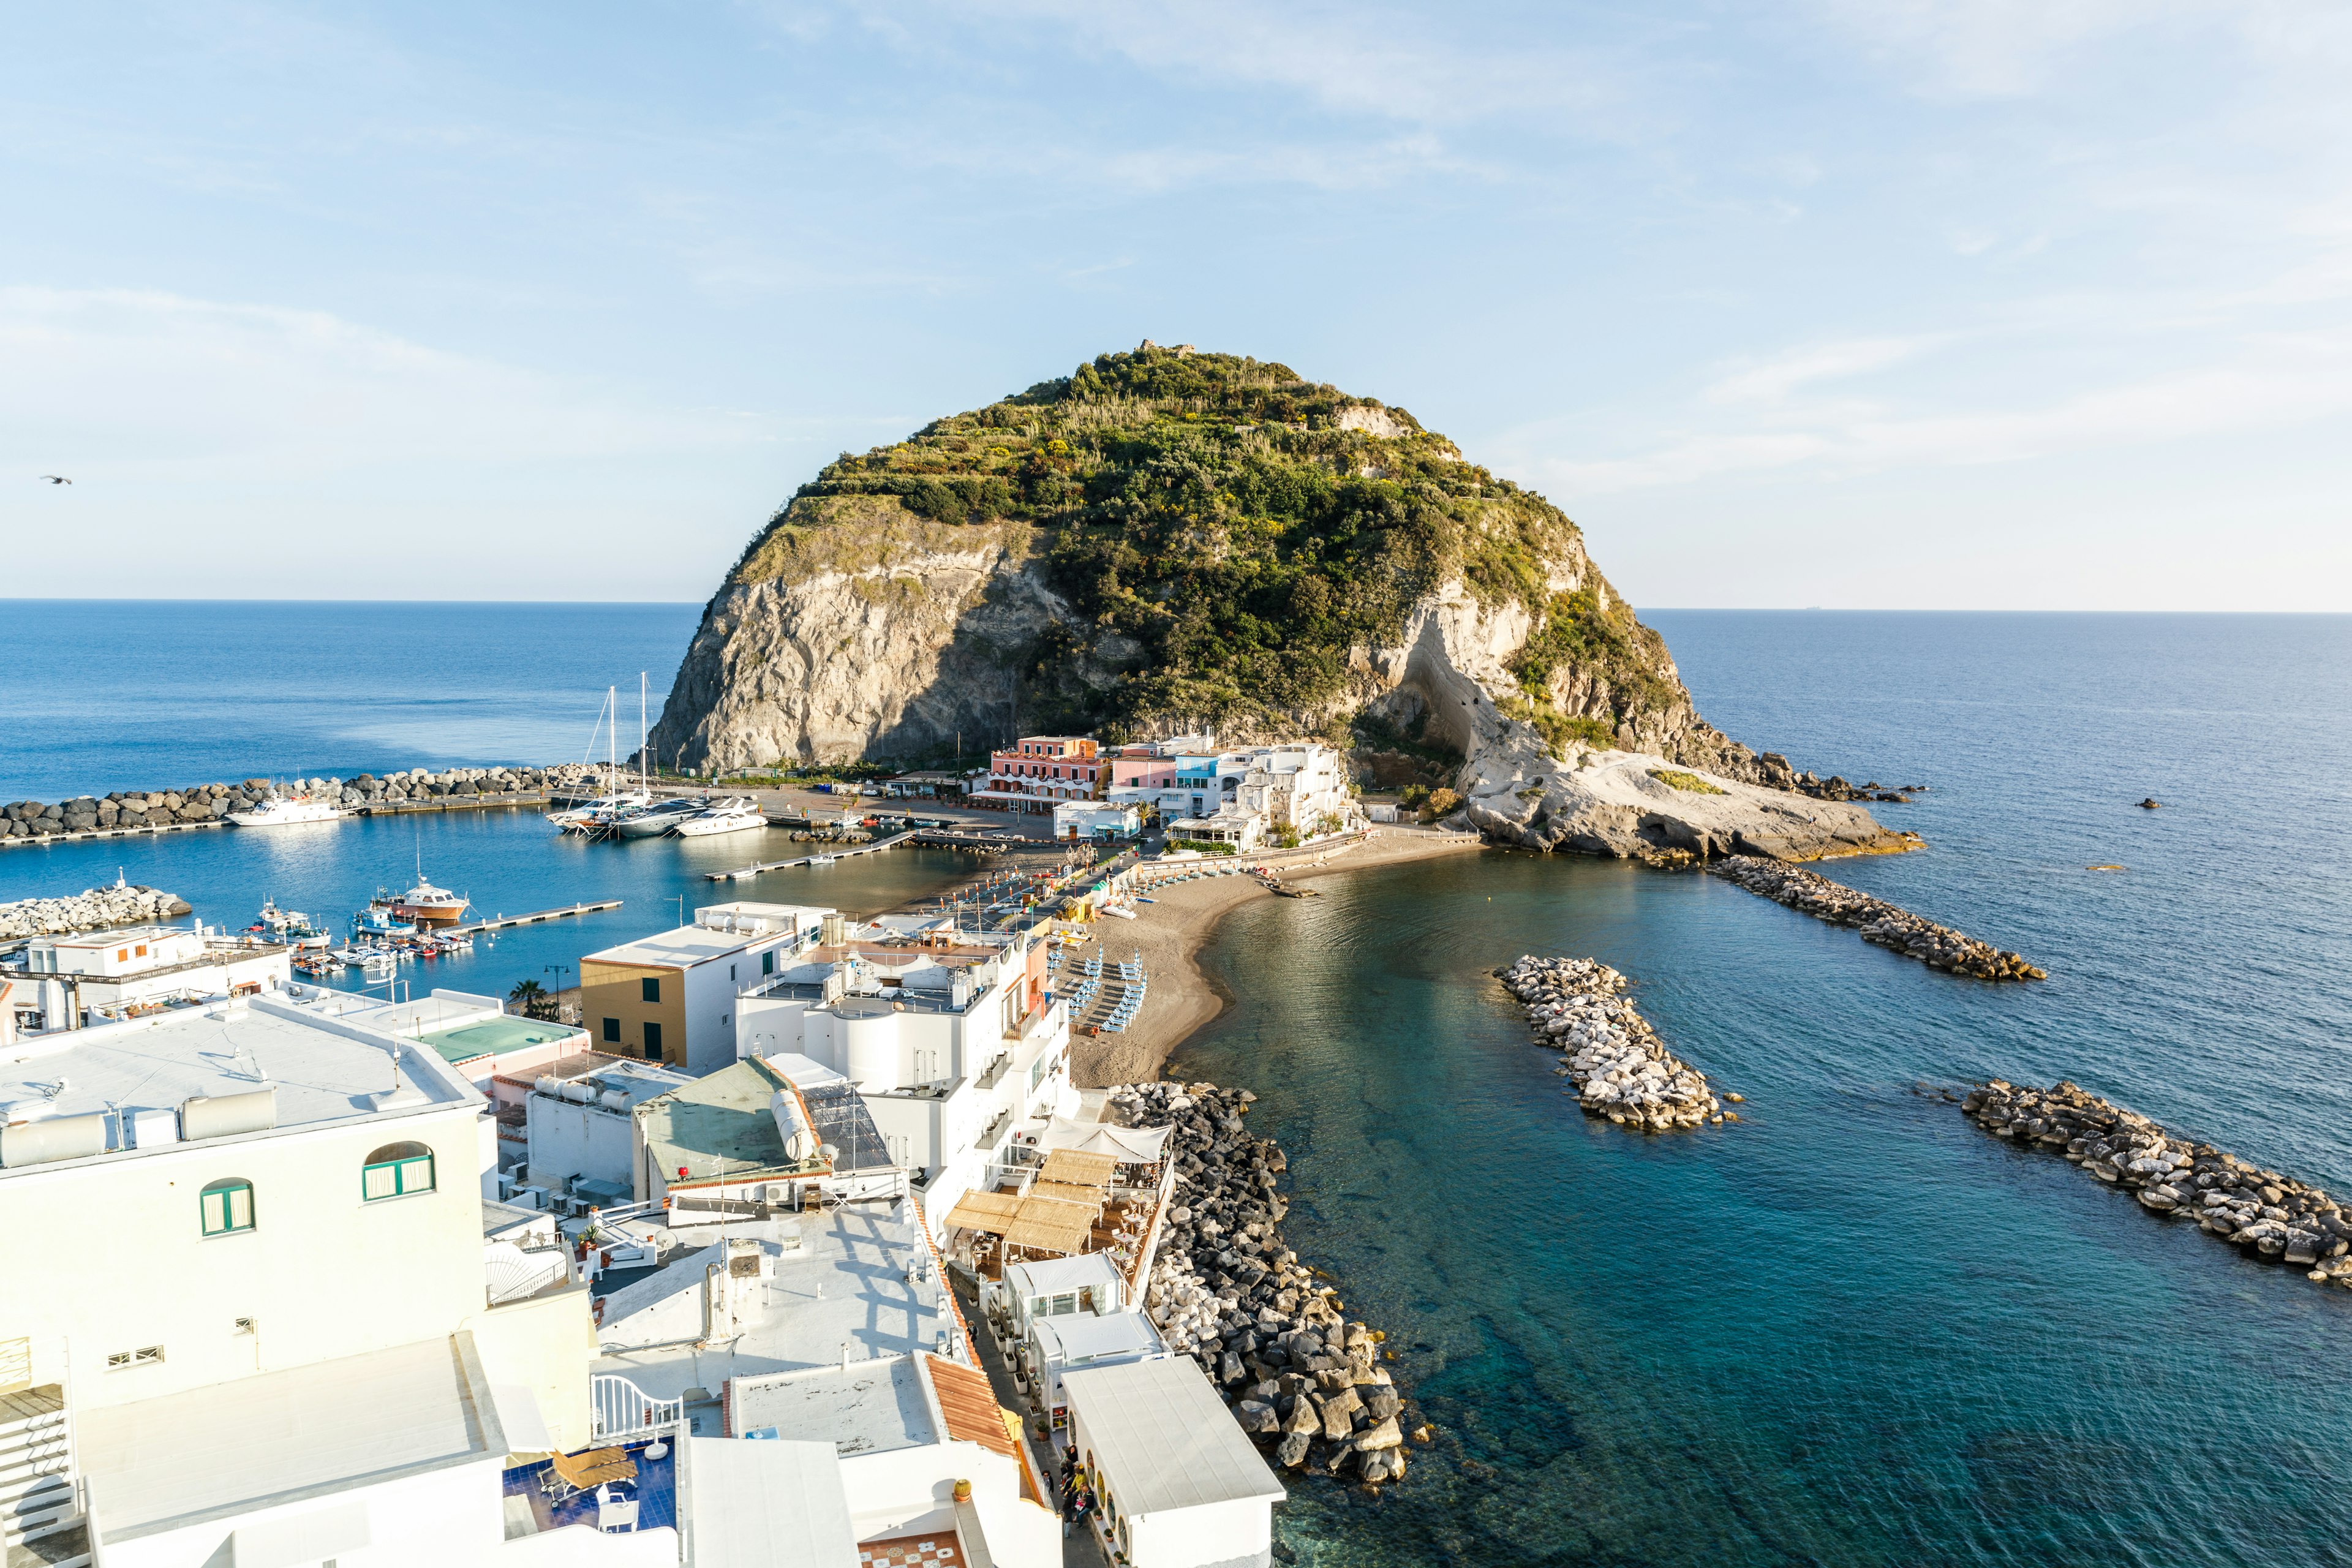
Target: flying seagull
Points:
x,y
57,479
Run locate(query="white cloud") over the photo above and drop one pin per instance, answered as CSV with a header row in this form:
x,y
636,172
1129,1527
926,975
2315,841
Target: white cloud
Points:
x,y
1774,380
2273,382
147,379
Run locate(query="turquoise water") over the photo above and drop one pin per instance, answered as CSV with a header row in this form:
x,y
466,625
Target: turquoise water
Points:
x,y
105,695
1854,1329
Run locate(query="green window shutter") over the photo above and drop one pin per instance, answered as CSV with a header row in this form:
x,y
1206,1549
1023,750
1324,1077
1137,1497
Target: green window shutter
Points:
x,y
216,1207
240,1208
649,988
768,962
417,1175
379,1181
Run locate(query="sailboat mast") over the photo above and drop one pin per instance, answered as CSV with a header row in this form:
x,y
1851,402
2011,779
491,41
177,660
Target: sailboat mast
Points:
x,y
613,740
643,782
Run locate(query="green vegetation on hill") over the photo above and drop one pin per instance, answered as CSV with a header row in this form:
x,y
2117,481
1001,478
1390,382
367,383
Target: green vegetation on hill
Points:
x,y
1227,530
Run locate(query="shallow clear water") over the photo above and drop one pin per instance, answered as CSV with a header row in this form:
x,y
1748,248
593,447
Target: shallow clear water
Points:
x,y
104,695
1854,1329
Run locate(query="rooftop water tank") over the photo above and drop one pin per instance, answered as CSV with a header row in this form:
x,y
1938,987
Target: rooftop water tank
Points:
x,y
549,1084
616,1100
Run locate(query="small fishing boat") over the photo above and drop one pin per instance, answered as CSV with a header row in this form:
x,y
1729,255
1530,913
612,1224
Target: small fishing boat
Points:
x,y
377,920
289,928
822,859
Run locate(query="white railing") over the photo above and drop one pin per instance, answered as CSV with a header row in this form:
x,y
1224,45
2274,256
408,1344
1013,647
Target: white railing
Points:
x,y
619,1409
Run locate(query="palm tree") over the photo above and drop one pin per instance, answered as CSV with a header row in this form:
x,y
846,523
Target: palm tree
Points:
x,y
530,999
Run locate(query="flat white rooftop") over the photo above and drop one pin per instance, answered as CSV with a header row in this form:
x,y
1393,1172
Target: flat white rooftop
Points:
x,y
1073,1339
737,1493
415,1016
867,1407
847,1285
1164,1438
683,947
322,1070
280,1436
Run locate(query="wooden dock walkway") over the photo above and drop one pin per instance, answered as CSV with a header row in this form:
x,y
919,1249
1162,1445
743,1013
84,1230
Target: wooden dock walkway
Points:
x,y
744,873
503,922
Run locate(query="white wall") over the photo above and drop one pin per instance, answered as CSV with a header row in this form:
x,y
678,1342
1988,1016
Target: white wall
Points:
x,y
914,1489
443,1517
1216,1534
568,1139
113,1256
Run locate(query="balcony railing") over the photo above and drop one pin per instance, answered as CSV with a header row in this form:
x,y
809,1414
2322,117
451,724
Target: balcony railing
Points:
x,y
619,1409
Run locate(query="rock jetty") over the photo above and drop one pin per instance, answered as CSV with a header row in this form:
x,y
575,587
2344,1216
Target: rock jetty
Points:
x,y
130,810
1300,1377
1937,947
1620,1068
119,905
2272,1217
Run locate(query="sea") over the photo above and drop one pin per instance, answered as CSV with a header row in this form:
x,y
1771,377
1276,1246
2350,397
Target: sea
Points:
x,y
99,696
1850,1329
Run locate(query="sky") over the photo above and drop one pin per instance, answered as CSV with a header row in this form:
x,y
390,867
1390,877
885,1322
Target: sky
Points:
x,y
2017,304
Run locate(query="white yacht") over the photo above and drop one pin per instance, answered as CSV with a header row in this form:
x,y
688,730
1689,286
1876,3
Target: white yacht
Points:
x,y
604,809
736,814
657,819
279,811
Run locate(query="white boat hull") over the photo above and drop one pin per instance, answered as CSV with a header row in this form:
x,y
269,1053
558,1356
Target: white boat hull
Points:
x,y
709,827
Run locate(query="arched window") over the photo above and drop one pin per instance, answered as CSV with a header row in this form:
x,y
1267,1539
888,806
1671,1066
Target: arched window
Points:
x,y
227,1207
396,1171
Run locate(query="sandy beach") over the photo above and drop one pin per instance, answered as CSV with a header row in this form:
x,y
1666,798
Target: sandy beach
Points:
x,y
1170,932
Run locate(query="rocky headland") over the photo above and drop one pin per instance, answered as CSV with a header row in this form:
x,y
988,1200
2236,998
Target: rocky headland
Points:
x,y
2273,1218
1620,1068
1877,920
98,908
1301,1378
1165,541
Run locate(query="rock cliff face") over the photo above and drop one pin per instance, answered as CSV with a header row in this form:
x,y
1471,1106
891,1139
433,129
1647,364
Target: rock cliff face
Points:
x,y
1164,541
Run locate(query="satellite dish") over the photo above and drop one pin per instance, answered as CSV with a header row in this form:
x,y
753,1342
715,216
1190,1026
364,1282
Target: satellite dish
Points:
x,y
830,1152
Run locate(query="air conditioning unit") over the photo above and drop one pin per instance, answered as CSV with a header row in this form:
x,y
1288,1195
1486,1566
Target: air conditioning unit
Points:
x,y
530,1197
506,1187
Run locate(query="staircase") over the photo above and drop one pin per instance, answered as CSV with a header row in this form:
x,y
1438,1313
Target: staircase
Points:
x,y
40,1506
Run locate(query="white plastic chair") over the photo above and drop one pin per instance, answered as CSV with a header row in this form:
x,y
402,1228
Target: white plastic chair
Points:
x,y
617,1515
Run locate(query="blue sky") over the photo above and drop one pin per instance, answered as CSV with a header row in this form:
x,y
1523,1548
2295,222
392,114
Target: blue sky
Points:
x,y
1904,303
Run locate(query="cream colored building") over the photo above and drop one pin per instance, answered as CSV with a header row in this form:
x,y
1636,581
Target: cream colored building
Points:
x,y
231,1222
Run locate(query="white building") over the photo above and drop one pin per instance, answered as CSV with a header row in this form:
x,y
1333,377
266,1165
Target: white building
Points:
x,y
104,975
1057,1346
954,1048
1179,1485
836,1329
1097,819
314,1367
670,997
580,1128
1254,795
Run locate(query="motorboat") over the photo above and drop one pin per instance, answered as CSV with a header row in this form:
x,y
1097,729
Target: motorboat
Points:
x,y
656,819
422,906
377,920
736,814
604,809
282,811
287,927
822,859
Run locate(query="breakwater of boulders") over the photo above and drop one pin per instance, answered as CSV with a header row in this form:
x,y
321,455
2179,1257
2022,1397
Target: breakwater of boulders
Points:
x,y
1878,921
2271,1218
130,810
1620,1068
121,905
1301,1378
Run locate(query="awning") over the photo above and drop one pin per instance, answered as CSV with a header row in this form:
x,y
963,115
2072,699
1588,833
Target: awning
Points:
x,y
1077,1168
1063,1191
1127,1145
1045,1225
990,1212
